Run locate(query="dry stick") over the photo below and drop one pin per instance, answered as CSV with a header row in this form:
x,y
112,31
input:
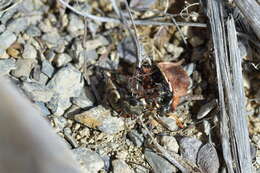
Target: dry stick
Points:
x,y
133,36
138,47
12,6
136,22
162,150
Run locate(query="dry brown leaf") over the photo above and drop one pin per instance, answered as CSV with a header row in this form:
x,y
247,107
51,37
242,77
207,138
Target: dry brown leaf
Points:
x,y
177,78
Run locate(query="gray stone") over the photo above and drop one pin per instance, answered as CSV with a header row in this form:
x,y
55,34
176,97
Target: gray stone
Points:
x,y
89,160
29,51
47,68
119,166
67,82
85,99
89,57
111,125
60,123
100,118
6,65
7,39
189,148
76,25
170,143
170,123
58,105
37,92
18,25
62,59
23,68
53,39
44,111
33,31
207,159
158,164
136,138
97,42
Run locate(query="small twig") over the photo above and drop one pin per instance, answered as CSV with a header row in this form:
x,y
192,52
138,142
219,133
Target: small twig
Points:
x,y
12,6
136,22
162,150
138,46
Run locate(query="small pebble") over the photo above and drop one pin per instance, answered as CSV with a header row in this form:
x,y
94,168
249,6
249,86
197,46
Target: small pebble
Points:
x,y
47,68
170,123
6,65
208,160
67,82
7,39
29,51
170,143
62,59
189,148
206,109
23,68
158,164
119,166
89,160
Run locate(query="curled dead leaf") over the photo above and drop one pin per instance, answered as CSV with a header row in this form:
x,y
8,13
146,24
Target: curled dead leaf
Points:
x,y
177,78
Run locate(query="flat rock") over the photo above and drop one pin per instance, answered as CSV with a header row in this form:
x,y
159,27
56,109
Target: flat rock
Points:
x,y
100,118
6,65
37,92
189,148
29,51
208,160
120,166
67,82
85,99
23,68
136,138
7,39
158,164
89,160
170,143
